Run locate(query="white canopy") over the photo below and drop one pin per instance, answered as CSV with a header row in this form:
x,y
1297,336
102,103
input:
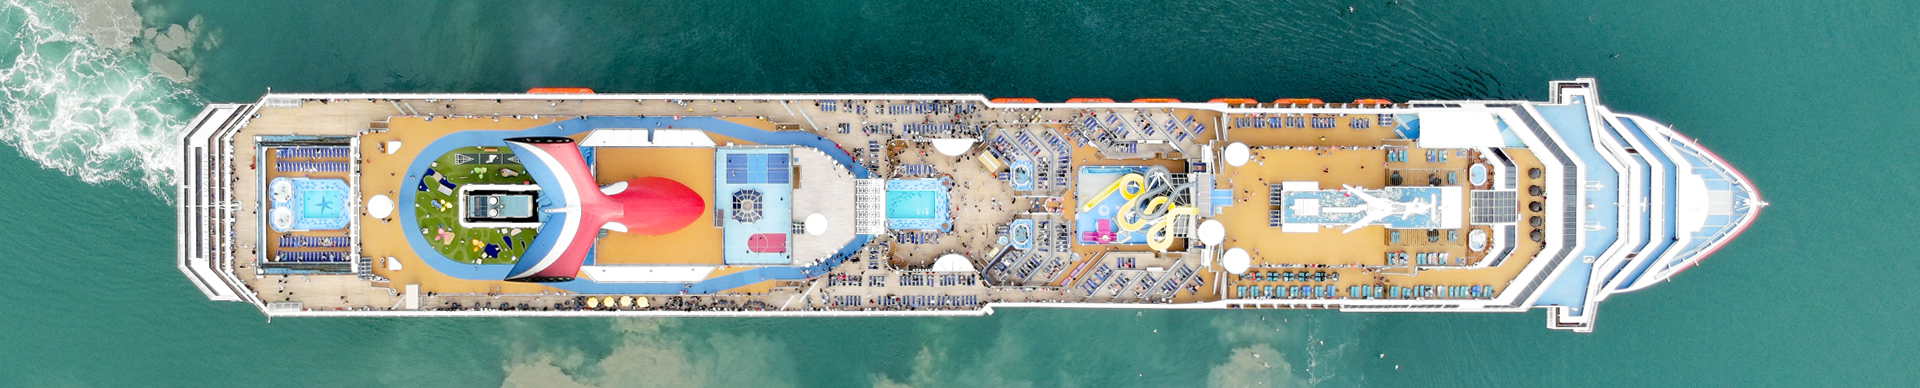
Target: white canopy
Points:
x,y
1236,261
1237,154
1212,232
816,224
952,263
380,206
952,147
393,146
393,264
1459,129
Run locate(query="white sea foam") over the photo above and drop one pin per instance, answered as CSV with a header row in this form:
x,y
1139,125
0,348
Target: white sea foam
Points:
x,y
93,112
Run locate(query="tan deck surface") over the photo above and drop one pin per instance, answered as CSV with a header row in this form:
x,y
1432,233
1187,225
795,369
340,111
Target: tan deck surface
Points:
x,y
1246,220
698,243
385,174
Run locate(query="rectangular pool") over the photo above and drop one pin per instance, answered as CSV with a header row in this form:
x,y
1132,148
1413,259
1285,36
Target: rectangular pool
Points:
x,y
311,204
321,203
917,204
910,204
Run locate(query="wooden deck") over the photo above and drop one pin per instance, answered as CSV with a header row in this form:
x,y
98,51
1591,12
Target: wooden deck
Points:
x,y
1349,157
383,173
698,243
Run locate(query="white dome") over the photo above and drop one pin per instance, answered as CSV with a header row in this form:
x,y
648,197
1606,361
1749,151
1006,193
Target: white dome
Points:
x,y
952,147
380,206
816,224
1237,154
1212,232
1236,261
952,263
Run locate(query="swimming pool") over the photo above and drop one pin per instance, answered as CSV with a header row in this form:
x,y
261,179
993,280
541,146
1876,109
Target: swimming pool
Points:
x,y
1021,171
909,204
315,204
321,203
917,204
1091,181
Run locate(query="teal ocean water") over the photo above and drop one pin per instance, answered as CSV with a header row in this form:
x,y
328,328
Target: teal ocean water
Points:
x,y
1813,100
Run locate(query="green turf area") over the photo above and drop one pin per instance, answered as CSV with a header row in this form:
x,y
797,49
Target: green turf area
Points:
x,y
437,207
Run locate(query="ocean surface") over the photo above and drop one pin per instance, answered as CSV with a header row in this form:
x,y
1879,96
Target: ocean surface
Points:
x,y
1816,101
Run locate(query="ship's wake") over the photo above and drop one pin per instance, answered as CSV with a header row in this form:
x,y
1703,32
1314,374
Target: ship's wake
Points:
x,y
93,112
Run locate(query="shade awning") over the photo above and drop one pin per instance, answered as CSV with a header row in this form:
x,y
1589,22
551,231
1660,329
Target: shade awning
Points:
x,y
952,263
952,147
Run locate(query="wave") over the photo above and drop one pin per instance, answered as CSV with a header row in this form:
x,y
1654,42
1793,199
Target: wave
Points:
x,y
96,113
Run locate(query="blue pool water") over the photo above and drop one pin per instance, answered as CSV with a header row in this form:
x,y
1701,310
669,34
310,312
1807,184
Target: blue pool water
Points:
x,y
1022,170
316,204
321,203
917,204
909,204
1094,179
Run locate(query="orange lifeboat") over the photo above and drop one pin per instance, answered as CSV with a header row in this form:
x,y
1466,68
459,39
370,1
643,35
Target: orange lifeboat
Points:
x,y
1234,101
1139,100
560,91
1372,101
1298,101
1088,100
1011,100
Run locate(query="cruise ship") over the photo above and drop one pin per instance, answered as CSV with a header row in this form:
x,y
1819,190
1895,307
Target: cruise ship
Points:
x,y
568,202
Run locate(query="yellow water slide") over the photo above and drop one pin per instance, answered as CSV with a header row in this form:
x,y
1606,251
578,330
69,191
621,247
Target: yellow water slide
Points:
x,y
1117,186
1132,217
1160,236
